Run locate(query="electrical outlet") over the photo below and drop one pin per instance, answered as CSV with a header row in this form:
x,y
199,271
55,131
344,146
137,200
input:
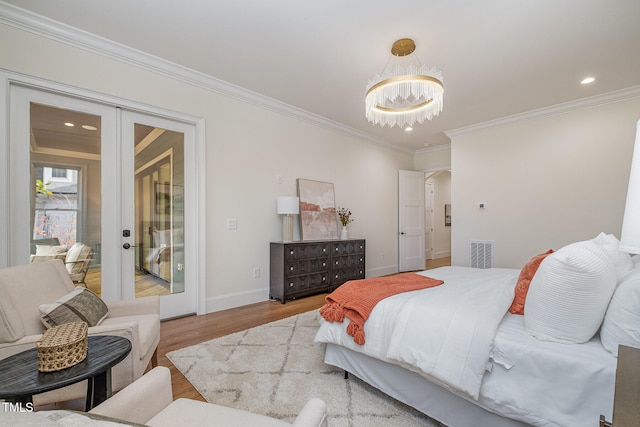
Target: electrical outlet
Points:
x,y
232,224
256,273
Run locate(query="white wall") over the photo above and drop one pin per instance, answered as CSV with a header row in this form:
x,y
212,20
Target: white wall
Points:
x,y
546,182
433,159
247,147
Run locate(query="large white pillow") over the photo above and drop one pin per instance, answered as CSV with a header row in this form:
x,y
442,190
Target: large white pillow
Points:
x,y
621,324
569,294
621,260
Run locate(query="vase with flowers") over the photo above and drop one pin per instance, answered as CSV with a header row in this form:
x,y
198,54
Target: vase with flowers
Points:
x,y
344,215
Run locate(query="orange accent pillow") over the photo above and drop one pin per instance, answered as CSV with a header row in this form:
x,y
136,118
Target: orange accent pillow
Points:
x,y
522,287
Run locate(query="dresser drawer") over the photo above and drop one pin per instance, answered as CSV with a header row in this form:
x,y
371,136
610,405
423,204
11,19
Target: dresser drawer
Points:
x,y
298,251
306,266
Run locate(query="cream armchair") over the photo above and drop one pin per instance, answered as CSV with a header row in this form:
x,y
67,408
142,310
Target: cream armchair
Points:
x,y
149,401
24,288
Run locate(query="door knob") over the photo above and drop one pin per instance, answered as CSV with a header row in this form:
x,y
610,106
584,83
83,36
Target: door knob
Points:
x,y
127,246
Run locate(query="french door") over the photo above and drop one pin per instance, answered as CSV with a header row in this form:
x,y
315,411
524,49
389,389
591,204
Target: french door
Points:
x,y
411,255
154,230
114,180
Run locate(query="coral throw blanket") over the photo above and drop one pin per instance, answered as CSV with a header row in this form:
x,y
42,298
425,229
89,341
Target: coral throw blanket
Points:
x,y
356,298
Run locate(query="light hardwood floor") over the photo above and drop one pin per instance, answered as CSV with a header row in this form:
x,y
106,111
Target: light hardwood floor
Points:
x,y
146,284
186,331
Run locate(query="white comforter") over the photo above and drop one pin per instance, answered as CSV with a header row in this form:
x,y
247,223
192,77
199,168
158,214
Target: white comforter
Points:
x,y
444,333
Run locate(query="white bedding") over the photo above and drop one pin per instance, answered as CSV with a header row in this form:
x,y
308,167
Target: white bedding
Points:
x,y
548,384
536,382
444,333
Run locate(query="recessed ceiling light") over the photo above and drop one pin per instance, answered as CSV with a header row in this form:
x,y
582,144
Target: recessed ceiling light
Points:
x,y
89,127
408,129
69,124
588,80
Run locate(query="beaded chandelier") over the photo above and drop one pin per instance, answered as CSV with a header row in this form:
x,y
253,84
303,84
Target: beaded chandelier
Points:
x,y
403,95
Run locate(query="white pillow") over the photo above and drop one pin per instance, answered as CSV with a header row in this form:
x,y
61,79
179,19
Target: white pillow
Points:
x,y
569,294
621,260
621,324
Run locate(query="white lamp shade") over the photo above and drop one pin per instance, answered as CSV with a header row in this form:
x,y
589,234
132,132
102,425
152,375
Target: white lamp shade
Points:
x,y
630,238
288,205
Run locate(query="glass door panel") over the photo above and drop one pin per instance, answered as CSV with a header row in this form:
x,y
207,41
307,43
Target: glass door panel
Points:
x,y
65,175
159,211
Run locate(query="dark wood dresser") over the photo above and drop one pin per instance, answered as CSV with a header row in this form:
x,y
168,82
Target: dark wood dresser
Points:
x,y
305,268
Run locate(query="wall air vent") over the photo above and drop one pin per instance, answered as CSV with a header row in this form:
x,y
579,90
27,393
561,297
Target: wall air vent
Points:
x,y
481,252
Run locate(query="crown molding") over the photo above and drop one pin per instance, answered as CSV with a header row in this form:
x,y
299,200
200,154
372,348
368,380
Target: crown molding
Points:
x,y
54,30
554,110
435,148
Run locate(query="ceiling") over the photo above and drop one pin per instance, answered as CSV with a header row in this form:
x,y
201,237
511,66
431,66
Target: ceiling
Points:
x,y
498,57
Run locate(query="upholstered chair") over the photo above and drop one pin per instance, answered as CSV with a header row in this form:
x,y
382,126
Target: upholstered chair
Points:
x,y
149,401
25,288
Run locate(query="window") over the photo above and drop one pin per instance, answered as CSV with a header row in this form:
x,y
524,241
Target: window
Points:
x,y
59,173
56,204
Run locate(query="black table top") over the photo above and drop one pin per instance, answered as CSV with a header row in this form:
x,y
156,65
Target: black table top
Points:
x,y
19,375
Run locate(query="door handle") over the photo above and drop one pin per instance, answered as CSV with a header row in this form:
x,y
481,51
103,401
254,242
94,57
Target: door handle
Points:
x,y
128,245
403,233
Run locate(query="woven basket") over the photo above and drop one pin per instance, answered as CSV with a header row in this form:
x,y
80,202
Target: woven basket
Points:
x,y
62,347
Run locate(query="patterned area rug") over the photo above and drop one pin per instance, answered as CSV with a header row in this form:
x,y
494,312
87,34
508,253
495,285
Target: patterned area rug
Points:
x,y
275,368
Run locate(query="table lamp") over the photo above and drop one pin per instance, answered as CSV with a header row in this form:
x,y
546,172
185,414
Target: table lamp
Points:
x,y
288,206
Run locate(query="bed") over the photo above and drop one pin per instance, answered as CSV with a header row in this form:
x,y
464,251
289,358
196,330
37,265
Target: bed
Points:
x,y
161,258
456,352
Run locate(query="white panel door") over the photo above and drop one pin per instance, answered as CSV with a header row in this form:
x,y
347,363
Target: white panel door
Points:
x,y
429,219
411,221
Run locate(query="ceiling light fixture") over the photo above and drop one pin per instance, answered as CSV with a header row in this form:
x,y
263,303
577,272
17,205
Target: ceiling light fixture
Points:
x,y
588,80
402,95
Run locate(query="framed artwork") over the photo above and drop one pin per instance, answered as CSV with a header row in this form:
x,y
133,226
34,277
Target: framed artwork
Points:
x,y
317,210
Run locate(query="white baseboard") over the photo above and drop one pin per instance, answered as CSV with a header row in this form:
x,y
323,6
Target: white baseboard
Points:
x,y
225,302
441,254
238,299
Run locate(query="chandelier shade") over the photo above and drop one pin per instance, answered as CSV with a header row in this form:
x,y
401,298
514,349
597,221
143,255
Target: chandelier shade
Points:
x,y
404,95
